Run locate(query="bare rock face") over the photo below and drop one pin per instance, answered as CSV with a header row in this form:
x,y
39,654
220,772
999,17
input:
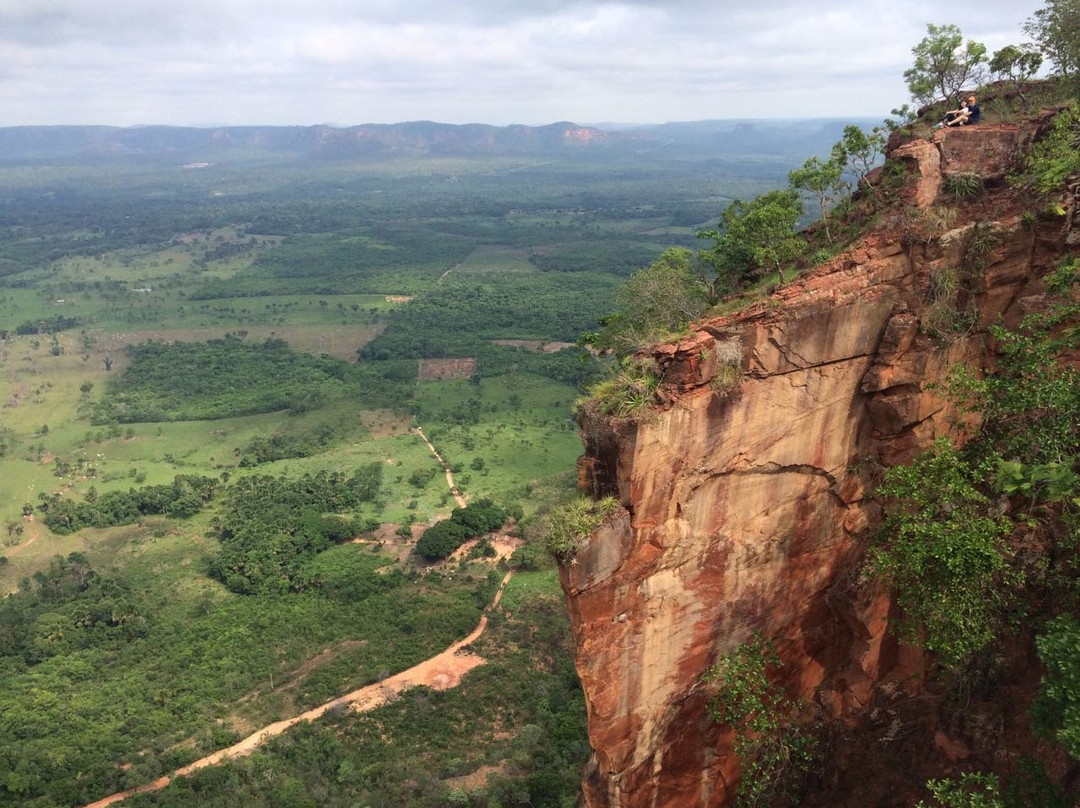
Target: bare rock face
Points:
x,y
745,508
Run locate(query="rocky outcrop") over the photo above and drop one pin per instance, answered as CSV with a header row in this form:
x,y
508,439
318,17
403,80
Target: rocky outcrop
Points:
x,y
745,507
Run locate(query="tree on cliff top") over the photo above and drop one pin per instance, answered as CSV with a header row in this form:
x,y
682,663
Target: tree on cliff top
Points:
x,y
656,302
823,181
944,64
755,237
1017,64
1056,27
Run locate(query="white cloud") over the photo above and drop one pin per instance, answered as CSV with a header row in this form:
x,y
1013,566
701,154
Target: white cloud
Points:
x,y
306,61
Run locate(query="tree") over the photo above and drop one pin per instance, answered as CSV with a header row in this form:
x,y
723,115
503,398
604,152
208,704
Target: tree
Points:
x,y
440,540
755,236
1016,63
944,64
1056,27
823,181
774,751
655,302
859,152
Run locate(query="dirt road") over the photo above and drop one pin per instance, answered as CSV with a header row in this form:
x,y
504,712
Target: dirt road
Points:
x,y
32,531
458,496
440,672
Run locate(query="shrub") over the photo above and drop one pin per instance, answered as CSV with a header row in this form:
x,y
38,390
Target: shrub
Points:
x,y
944,554
1056,712
773,750
1056,156
964,185
566,528
972,790
631,389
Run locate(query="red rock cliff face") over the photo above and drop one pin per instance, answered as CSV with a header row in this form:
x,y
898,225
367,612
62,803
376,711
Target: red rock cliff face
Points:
x,y
745,509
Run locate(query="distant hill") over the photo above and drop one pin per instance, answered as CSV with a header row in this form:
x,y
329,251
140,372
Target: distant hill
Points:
x,y
413,138
417,138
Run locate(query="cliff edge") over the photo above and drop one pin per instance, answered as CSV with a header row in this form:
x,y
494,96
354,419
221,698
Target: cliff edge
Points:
x,y
745,507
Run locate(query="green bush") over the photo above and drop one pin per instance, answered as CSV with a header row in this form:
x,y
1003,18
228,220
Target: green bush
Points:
x,y
972,790
628,391
774,752
963,185
565,528
944,554
1056,712
1055,157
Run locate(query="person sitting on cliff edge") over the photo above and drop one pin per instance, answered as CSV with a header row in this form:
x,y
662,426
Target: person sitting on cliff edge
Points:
x,y
953,114
969,114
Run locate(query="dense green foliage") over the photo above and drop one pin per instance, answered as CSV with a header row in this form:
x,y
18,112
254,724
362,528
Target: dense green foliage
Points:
x,y
596,256
946,555
455,319
754,238
445,536
220,378
68,608
268,448
270,526
655,303
97,673
1056,712
522,714
774,751
972,532
49,325
1056,156
184,497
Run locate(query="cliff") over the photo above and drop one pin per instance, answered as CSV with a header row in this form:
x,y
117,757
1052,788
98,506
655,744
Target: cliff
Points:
x,y
745,508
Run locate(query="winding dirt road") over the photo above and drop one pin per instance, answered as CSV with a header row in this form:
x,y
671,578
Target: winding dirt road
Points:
x,y
440,672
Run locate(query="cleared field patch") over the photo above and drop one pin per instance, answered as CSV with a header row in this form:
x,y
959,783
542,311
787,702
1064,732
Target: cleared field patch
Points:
x,y
341,341
534,345
442,369
494,260
385,423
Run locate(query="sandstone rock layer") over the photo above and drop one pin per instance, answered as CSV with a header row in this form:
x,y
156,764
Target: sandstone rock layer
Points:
x,y
745,508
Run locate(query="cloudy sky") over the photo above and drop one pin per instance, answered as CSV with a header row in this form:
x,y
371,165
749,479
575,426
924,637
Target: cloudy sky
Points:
x,y
214,62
